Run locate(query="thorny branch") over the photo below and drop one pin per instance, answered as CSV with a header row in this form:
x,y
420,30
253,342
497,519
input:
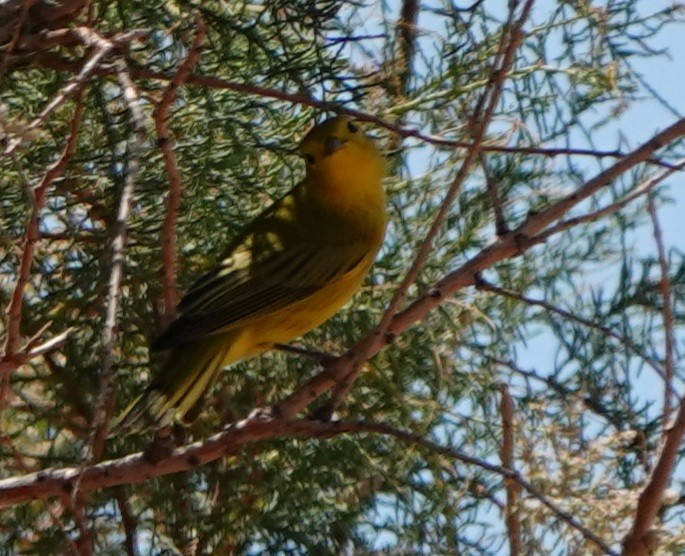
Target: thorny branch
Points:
x,y
512,517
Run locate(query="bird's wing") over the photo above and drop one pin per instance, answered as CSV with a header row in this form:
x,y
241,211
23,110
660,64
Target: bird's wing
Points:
x,y
245,286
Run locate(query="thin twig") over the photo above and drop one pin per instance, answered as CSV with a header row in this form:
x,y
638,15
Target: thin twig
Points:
x,y
105,403
501,227
478,123
32,234
512,518
52,61
33,349
484,285
641,189
173,201
13,356
667,311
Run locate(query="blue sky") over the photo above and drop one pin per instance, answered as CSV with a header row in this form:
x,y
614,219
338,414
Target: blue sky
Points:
x,y
639,122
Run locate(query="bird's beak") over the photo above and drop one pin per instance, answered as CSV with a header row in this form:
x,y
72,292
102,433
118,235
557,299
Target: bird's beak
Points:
x,y
333,144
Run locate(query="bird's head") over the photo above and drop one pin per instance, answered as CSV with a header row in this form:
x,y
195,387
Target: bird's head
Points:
x,y
338,146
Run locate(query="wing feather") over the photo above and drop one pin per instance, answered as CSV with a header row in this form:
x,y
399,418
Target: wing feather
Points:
x,y
241,289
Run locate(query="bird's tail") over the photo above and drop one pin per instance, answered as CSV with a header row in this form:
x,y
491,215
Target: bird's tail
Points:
x,y
183,380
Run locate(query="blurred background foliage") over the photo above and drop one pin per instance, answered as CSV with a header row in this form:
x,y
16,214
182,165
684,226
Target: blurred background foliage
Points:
x,y
588,408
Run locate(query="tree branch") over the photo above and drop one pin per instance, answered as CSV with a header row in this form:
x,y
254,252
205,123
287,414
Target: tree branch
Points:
x,y
136,468
512,244
52,61
173,201
105,403
478,124
512,517
667,311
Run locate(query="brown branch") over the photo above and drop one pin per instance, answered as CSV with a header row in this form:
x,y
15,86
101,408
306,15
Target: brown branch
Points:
x,y
406,39
56,519
32,234
665,286
640,540
398,69
512,244
173,201
52,61
127,520
12,356
136,468
513,520
14,35
641,189
478,123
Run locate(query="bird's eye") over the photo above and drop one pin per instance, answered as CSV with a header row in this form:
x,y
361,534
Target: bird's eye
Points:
x,y
352,127
309,158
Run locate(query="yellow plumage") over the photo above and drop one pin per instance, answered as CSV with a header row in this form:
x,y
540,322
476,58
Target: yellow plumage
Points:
x,y
286,272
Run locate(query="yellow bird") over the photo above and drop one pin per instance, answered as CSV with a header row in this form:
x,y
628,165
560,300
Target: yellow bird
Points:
x,y
286,272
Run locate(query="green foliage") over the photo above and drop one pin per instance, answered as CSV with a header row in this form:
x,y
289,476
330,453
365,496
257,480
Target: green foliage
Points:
x,y
588,409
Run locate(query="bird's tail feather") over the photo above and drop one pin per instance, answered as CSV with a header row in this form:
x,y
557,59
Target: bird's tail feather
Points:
x,y
182,382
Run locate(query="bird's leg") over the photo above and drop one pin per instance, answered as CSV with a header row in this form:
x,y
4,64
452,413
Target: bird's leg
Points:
x,y
319,356
160,447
